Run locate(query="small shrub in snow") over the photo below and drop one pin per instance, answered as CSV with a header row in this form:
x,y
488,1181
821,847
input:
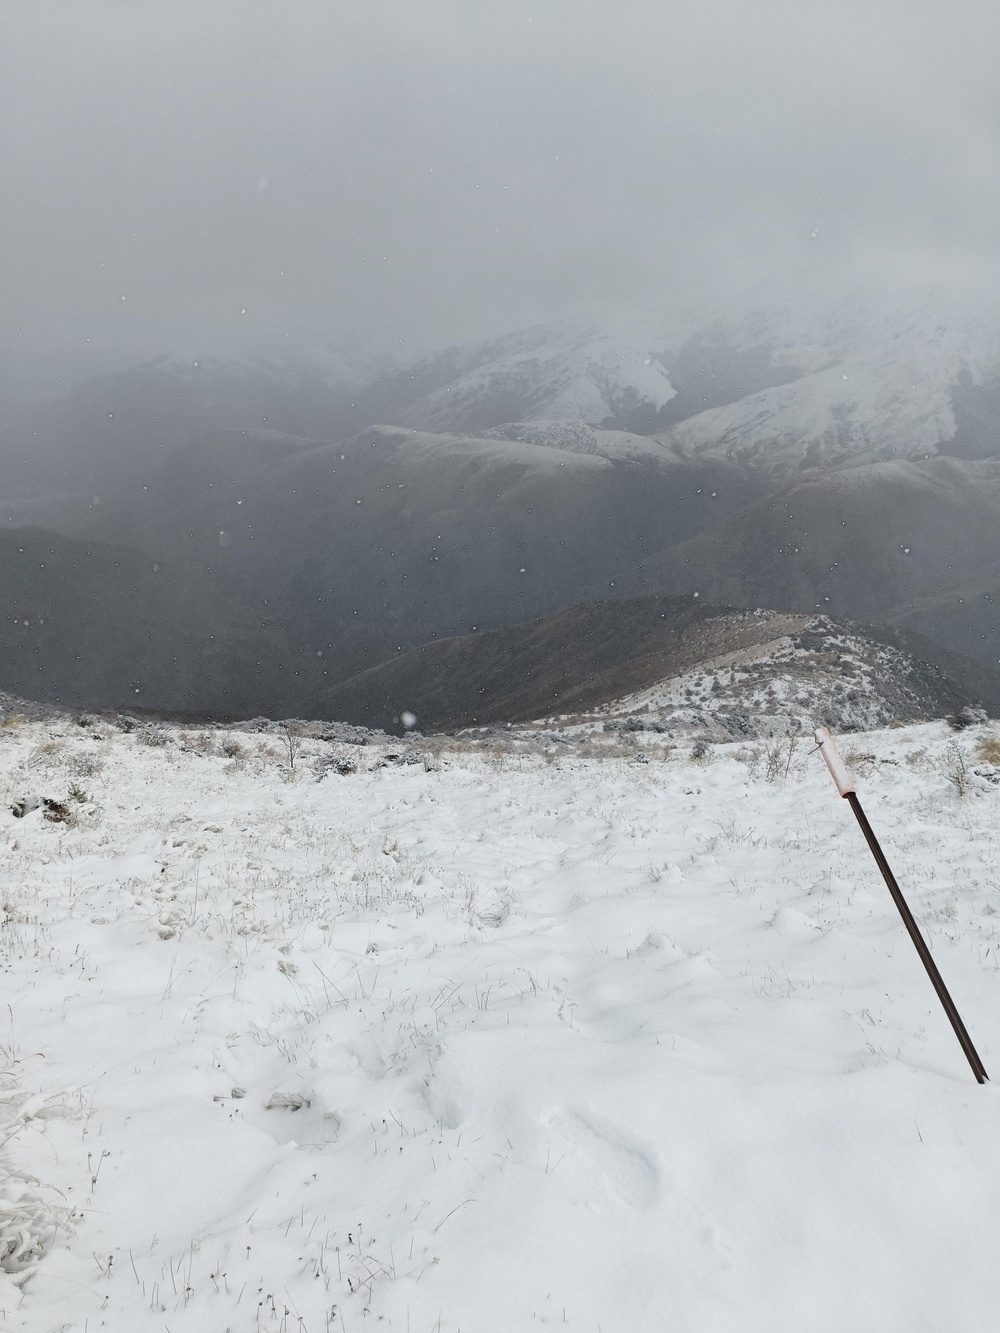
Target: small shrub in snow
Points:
x,y
430,754
639,724
292,733
85,765
152,736
956,770
778,758
967,717
751,755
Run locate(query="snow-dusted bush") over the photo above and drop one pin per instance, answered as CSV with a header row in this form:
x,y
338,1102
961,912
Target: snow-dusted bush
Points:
x,y
778,758
956,770
155,737
85,765
967,717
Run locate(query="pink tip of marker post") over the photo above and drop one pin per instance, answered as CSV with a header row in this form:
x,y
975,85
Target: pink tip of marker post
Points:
x,y
838,769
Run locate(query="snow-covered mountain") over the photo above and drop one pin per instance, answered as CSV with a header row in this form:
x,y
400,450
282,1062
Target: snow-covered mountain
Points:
x,y
776,384
562,370
875,379
806,453
770,381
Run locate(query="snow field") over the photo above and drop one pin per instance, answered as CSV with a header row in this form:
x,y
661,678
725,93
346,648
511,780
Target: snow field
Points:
x,y
508,1043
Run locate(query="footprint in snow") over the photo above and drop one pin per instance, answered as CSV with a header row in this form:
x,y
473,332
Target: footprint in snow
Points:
x,y
624,1165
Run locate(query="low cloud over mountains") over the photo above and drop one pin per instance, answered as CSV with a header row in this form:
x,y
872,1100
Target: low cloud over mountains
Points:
x,y
841,457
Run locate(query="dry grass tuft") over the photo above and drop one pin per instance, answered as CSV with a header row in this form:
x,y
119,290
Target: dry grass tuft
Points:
x,y
988,750
860,762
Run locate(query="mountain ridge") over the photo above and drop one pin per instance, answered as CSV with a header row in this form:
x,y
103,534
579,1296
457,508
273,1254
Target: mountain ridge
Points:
x,y
591,659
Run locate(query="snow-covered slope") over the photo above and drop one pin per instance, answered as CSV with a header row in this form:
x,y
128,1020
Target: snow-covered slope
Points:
x,y
820,670
773,379
500,1039
876,377
556,370
849,413
577,437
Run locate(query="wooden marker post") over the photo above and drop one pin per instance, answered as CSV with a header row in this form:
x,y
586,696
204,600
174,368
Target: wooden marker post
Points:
x,y
845,786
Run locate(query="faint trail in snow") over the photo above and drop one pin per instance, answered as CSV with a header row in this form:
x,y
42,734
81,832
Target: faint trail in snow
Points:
x,y
627,1168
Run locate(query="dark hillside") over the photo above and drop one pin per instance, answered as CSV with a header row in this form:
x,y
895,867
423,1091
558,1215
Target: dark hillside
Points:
x,y
100,625
593,654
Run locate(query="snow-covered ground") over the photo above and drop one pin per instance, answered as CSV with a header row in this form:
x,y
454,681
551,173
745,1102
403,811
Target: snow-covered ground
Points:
x,y
495,1040
780,685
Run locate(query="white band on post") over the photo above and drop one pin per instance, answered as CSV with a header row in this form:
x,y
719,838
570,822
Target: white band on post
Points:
x,y
836,765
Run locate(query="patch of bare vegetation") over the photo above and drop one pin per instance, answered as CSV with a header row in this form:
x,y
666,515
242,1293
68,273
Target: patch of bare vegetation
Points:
x,y
988,749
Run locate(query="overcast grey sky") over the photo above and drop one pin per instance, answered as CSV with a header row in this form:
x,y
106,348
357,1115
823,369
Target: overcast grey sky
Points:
x,y
208,174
